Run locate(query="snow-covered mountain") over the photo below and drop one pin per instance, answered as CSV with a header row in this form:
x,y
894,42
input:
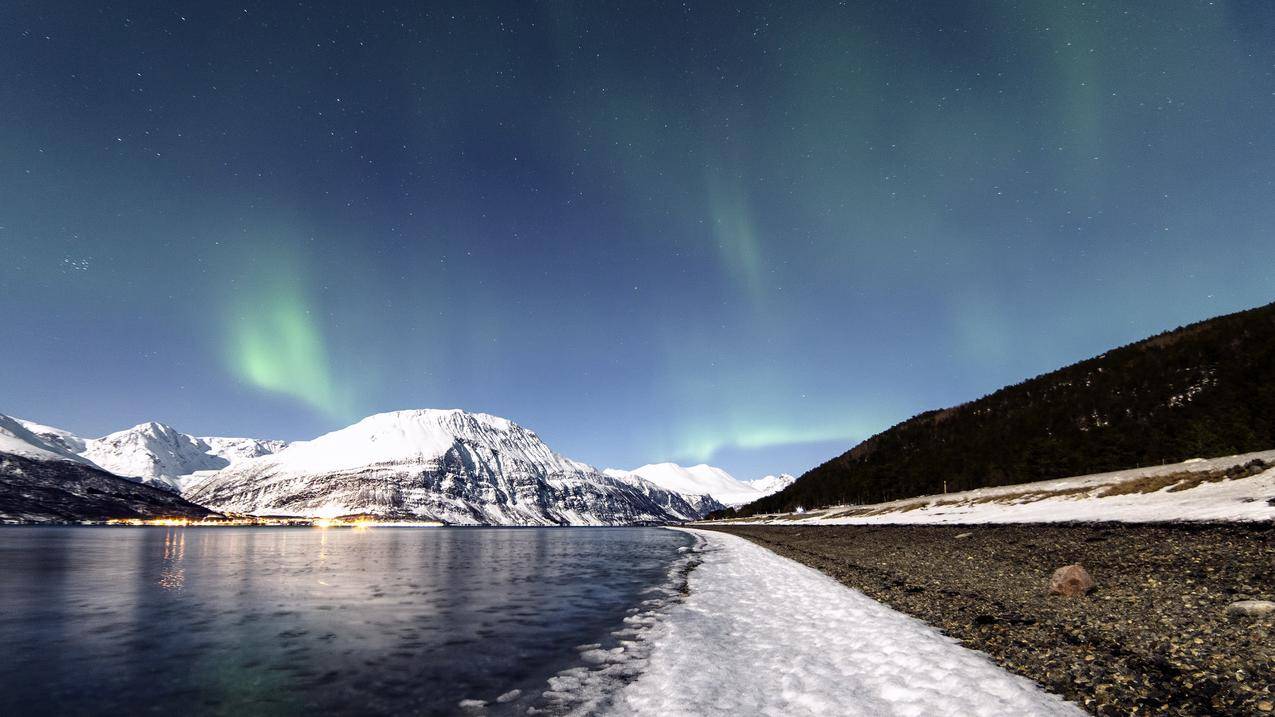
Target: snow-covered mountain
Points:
x,y
448,465
703,504
42,480
154,453
772,484
706,480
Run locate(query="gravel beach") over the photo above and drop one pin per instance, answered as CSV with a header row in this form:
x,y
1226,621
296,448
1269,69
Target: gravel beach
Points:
x,y
1153,638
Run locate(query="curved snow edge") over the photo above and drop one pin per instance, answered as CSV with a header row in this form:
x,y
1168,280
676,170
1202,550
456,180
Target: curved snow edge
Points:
x,y
759,633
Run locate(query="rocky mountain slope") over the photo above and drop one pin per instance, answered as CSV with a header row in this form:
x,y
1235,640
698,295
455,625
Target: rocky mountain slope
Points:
x,y
1200,391
706,481
448,465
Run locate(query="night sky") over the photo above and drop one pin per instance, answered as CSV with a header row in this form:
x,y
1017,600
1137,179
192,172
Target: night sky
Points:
x,y
744,233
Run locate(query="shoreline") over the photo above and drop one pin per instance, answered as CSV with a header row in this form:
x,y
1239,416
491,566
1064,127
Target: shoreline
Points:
x,y
1153,638
758,633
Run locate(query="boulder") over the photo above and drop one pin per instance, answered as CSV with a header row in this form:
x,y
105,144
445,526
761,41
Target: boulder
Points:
x,y
1250,608
1071,581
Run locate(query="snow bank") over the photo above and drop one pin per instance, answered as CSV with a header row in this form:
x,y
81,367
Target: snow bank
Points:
x,y
760,634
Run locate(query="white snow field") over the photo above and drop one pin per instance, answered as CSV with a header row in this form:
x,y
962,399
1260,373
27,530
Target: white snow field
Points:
x,y
760,634
1096,497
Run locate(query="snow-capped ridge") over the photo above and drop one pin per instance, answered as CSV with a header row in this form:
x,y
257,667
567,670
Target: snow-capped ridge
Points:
x,y
772,483
18,439
56,436
703,479
235,449
416,436
153,452
150,452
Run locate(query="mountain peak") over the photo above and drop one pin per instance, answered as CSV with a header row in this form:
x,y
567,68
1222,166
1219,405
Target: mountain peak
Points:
x,y
153,430
441,417
413,437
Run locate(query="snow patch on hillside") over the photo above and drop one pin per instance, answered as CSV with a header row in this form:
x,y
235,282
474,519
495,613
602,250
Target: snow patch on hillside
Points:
x,y
1195,490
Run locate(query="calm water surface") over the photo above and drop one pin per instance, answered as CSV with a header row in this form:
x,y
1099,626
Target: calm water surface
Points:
x,y
290,620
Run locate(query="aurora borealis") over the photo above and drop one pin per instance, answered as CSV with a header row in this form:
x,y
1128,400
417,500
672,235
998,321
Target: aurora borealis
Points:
x,y
744,233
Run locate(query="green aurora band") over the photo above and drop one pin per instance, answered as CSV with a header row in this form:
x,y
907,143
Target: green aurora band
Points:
x,y
274,343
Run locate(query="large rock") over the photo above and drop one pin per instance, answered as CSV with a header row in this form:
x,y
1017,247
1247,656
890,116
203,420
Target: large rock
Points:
x,y
1251,608
1071,581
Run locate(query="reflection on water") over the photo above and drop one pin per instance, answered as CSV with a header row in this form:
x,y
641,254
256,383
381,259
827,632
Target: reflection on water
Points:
x,y
173,577
282,621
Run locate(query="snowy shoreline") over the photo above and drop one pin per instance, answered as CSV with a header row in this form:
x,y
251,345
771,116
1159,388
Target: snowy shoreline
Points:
x,y
761,634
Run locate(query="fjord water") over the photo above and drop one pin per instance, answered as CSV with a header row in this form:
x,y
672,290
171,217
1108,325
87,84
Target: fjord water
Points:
x,y
290,620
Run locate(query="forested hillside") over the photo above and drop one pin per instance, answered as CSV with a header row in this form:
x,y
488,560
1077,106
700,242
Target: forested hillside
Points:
x,y
1207,389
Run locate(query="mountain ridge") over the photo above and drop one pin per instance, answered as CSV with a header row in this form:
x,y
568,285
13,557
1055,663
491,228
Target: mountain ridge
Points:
x,y
154,453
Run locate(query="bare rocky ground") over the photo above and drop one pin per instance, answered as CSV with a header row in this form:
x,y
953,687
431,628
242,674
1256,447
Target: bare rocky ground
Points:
x,y
1154,638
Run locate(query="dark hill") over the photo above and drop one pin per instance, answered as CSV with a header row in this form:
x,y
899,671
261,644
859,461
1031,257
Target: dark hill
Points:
x,y
1203,390
35,491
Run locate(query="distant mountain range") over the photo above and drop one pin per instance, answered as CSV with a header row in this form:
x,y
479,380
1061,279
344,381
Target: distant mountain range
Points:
x,y
446,465
42,480
1203,390
706,480
154,453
